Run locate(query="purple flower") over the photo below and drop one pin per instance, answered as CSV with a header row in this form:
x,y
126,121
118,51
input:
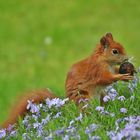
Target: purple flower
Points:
x,y
46,120
91,128
66,137
13,133
36,125
111,92
2,133
59,132
57,115
95,138
130,131
10,128
25,136
71,131
26,121
83,100
130,87
123,110
39,128
106,98
110,134
56,102
99,108
79,118
135,82
121,98
33,108
35,117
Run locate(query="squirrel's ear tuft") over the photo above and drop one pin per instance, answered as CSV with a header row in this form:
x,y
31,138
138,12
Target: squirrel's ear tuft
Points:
x,y
109,35
104,42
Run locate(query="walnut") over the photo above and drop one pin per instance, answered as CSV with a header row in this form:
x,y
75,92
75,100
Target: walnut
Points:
x,y
127,67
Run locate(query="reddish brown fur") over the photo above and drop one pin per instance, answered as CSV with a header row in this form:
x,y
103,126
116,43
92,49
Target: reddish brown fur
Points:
x,y
90,76
86,78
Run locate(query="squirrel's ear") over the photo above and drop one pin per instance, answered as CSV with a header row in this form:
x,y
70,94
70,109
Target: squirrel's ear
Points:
x,y
109,35
104,42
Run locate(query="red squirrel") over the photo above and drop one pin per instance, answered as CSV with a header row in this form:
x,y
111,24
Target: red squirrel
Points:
x,y
86,78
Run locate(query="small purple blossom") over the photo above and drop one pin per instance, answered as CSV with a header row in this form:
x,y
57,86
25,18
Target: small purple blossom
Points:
x,y
79,118
91,128
130,87
135,82
66,137
36,125
106,98
110,134
13,133
95,138
99,108
130,131
32,107
46,120
83,100
25,136
112,93
123,110
35,117
71,130
59,132
57,115
56,102
10,128
2,133
26,120
121,98
39,128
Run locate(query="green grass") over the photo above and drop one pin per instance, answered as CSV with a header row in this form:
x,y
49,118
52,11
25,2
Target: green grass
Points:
x,y
75,27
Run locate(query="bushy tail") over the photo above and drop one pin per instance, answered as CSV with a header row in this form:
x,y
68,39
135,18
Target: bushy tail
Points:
x,y
21,105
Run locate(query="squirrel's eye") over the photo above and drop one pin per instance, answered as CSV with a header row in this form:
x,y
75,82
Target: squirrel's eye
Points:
x,y
115,51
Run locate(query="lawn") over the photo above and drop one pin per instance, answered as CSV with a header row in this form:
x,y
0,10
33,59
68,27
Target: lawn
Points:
x,y
39,37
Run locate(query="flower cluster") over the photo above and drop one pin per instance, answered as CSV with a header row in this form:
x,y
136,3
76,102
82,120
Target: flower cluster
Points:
x,y
51,120
130,131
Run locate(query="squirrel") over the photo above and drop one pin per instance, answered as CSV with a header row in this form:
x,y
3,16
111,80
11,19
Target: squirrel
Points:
x,y
86,79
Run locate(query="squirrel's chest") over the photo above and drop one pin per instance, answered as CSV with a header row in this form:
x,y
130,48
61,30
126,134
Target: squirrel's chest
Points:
x,y
96,92
111,69
99,90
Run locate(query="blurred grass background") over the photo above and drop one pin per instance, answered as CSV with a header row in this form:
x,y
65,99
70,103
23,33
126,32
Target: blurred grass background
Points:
x,y
41,39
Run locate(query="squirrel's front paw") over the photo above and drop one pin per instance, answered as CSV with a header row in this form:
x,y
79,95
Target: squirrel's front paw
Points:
x,y
126,77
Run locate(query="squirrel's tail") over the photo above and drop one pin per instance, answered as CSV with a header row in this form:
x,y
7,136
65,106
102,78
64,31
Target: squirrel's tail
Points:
x,y
21,105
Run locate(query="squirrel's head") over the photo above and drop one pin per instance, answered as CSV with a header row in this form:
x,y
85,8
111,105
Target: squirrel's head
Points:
x,y
113,52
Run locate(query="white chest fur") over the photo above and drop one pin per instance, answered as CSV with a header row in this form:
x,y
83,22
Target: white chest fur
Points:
x,y
111,69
